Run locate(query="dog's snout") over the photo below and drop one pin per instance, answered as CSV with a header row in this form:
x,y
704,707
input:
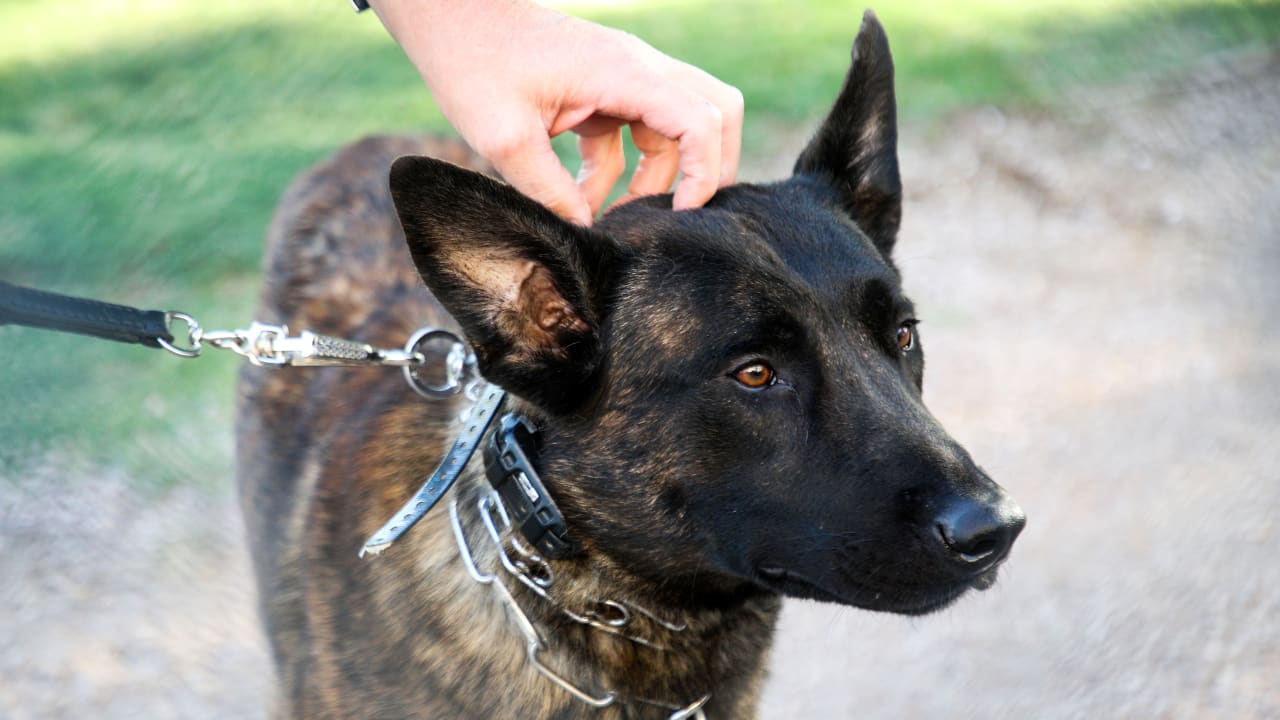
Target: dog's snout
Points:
x,y
979,534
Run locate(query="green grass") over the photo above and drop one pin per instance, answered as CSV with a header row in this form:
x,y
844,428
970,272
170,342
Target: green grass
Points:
x,y
143,146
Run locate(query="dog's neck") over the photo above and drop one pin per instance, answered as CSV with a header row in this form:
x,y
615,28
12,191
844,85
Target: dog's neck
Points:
x,y
668,654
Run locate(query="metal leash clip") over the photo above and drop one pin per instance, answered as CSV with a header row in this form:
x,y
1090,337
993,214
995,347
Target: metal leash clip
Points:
x,y
460,371
262,344
267,345
271,345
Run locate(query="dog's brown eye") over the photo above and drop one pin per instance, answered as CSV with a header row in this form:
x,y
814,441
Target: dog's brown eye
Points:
x,y
755,375
906,337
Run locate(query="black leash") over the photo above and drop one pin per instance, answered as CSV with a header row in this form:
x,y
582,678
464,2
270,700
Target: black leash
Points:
x,y
261,344
509,464
64,313
272,346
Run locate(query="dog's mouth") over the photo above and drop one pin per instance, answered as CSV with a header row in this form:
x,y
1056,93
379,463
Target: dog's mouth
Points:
x,y
903,601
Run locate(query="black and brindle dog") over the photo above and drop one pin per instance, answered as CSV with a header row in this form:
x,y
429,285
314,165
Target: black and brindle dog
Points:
x,y
728,405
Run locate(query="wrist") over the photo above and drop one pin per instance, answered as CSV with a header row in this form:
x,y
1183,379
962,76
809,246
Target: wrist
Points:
x,y
437,34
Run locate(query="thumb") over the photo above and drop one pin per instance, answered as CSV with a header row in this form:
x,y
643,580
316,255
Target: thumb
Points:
x,y
532,167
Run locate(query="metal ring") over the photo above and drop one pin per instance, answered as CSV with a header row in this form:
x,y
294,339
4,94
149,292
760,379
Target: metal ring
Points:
x,y
621,616
456,367
194,334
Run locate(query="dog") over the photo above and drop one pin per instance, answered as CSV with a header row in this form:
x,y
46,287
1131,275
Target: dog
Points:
x,y
724,406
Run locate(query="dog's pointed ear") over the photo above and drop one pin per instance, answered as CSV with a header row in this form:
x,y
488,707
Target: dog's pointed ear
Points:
x,y
857,145
527,287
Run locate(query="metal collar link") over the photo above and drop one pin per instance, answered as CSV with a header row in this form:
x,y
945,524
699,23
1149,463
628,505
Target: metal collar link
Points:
x,y
532,571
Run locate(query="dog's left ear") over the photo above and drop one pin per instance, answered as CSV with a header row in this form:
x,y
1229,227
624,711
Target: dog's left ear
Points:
x,y
857,145
527,287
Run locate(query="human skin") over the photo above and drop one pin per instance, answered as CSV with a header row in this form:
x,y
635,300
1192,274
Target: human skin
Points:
x,y
510,74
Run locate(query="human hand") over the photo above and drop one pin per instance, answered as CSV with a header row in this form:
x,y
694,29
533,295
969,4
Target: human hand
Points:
x,y
509,75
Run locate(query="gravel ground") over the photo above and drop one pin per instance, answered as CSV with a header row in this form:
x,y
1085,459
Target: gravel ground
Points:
x,y
1098,290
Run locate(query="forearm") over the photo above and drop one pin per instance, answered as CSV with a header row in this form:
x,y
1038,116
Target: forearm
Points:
x,y
436,33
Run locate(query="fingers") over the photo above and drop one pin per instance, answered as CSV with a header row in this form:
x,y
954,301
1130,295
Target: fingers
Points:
x,y
527,161
658,164
603,163
690,120
678,108
699,165
592,80
731,136
728,100
723,126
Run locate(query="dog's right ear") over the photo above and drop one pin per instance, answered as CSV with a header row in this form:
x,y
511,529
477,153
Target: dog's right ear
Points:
x,y
857,146
527,287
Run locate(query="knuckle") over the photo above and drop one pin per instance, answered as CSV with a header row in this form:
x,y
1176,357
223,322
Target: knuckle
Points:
x,y
504,145
708,124
631,42
733,105
715,118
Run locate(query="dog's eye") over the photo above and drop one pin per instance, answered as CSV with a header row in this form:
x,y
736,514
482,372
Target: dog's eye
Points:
x,y
906,336
754,375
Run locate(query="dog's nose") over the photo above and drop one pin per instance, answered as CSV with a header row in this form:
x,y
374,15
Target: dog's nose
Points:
x,y
979,534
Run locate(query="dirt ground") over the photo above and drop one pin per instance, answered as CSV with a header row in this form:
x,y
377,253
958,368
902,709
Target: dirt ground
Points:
x,y
1098,290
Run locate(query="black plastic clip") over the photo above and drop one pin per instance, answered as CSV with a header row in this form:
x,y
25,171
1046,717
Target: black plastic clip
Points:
x,y
509,465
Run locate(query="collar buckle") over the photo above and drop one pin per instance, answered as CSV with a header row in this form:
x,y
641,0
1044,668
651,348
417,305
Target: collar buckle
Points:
x,y
509,459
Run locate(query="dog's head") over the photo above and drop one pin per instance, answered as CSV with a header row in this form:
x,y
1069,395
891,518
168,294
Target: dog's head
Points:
x,y
730,396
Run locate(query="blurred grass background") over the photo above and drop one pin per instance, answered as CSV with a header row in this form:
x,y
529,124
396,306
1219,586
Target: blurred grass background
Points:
x,y
144,144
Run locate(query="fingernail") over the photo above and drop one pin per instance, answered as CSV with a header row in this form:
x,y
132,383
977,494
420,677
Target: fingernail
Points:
x,y
682,200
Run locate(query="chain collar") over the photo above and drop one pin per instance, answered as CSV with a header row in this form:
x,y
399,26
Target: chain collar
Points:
x,y
531,570
271,345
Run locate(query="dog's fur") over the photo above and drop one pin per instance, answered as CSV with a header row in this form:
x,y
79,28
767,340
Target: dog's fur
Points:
x,y
688,492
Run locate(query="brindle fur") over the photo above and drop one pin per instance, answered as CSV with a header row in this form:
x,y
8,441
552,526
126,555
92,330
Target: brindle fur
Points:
x,y
684,492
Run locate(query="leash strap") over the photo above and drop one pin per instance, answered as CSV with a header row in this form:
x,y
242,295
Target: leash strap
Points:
x,y
271,345
476,422
51,311
262,344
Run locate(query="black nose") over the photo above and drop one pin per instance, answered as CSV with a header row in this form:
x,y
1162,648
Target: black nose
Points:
x,y
979,534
